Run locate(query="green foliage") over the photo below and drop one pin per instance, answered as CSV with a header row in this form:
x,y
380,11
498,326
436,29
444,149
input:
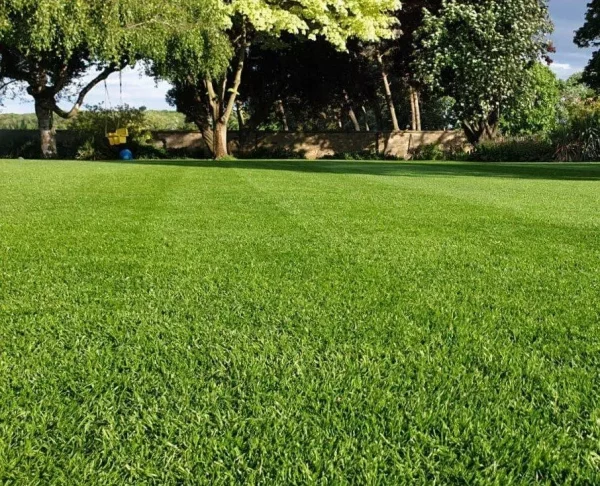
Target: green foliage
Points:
x,y
589,36
299,323
533,110
167,120
98,121
579,139
478,52
429,152
208,98
527,149
277,153
154,119
360,155
51,31
437,152
574,94
27,121
47,46
89,151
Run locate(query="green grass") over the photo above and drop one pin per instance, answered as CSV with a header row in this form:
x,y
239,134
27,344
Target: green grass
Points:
x,y
299,323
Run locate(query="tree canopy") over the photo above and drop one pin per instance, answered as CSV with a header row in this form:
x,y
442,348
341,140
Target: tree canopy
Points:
x,y
49,45
478,51
208,99
589,36
534,107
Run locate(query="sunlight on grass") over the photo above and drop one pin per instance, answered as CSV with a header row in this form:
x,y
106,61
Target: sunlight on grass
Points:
x,y
298,322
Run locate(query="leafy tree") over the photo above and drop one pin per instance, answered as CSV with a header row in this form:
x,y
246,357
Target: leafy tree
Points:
x,y
574,93
406,47
534,108
307,85
589,36
208,98
49,45
478,52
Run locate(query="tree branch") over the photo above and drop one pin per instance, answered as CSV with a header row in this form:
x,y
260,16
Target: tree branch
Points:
x,y
213,99
7,84
237,81
113,68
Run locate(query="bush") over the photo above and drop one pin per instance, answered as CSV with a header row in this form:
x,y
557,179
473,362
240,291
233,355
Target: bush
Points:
x,y
274,153
360,155
428,152
579,139
87,151
96,121
437,151
514,150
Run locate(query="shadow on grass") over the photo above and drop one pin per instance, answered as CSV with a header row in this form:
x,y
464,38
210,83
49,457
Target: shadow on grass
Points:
x,y
550,171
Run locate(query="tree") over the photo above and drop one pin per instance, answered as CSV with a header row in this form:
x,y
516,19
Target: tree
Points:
x,y
308,86
208,98
478,52
574,93
534,108
48,46
589,36
407,46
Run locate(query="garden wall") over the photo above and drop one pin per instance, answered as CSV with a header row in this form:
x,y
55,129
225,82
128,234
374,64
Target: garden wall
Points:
x,y
308,145
315,145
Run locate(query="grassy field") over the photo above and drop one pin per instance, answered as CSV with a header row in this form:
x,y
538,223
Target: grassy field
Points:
x,y
299,323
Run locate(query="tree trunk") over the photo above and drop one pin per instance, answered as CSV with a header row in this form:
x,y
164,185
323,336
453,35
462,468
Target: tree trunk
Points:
x,y
350,110
415,108
413,111
220,141
221,103
388,95
482,130
45,119
282,115
367,127
215,139
418,110
354,119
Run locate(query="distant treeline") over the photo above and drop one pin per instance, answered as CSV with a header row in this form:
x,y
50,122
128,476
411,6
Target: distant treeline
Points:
x,y
154,119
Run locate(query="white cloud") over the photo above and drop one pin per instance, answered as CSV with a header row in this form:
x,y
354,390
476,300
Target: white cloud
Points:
x,y
564,69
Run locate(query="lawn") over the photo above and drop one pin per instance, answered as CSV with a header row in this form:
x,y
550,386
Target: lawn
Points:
x,y
299,323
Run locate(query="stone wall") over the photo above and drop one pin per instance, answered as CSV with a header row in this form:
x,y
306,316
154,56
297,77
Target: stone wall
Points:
x,y
308,145
315,145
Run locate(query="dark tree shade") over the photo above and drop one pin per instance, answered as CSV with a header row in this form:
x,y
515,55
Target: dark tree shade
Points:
x,y
589,36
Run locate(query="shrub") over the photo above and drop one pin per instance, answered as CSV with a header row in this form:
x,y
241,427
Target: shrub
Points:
x,y
273,153
514,150
432,151
87,151
150,152
437,151
96,121
579,139
360,155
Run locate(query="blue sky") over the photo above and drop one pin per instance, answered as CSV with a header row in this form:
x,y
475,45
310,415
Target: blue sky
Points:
x,y
138,90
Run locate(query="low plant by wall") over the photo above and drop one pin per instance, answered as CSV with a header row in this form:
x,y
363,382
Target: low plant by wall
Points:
x,y
514,150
